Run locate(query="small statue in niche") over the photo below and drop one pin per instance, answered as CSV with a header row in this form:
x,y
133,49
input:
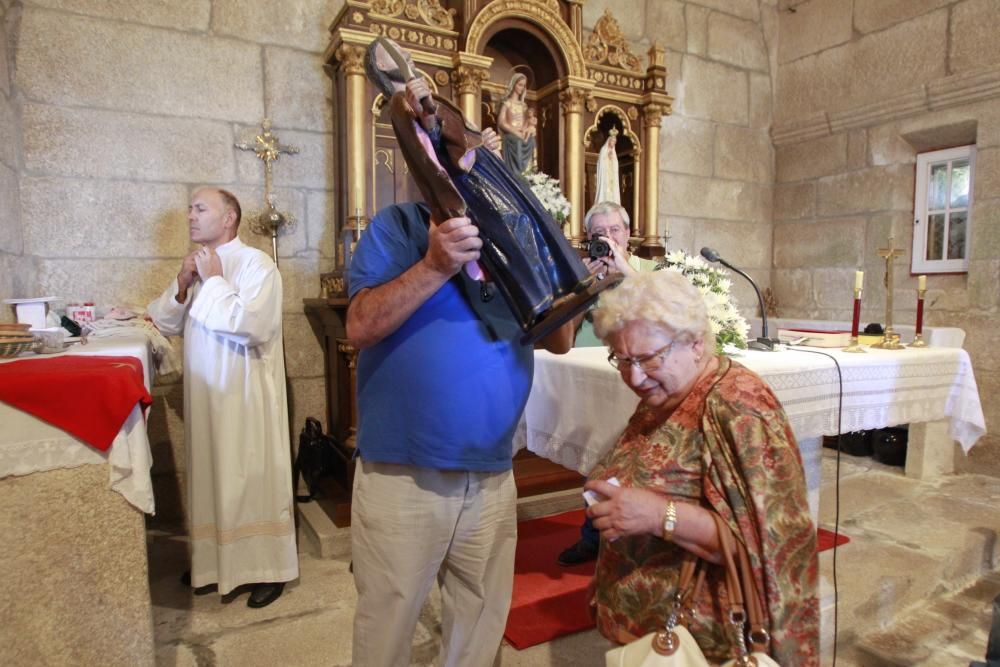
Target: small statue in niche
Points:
x,y
608,184
518,135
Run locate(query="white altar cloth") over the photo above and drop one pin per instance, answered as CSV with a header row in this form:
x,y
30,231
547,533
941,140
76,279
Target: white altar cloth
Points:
x,y
579,405
28,444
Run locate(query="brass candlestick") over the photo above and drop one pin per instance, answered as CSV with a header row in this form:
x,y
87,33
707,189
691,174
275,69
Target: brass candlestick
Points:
x,y
890,339
918,337
853,345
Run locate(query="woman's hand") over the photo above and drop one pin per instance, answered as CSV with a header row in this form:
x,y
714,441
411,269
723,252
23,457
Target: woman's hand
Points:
x,y
625,511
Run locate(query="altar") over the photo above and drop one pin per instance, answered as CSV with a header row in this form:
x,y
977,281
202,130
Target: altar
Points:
x,y
579,405
74,552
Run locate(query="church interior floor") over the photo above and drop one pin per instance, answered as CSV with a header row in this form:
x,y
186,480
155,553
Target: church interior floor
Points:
x,y
916,584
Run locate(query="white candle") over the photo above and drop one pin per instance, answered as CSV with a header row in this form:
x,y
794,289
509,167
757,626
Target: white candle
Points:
x,y
859,279
921,283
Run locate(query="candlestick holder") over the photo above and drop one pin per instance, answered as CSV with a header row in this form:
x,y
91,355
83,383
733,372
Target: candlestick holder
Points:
x,y
853,345
918,337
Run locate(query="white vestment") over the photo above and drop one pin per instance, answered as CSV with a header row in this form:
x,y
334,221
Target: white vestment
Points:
x,y
235,421
607,176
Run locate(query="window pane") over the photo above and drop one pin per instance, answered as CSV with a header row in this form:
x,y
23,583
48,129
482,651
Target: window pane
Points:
x,y
937,187
935,236
956,235
960,183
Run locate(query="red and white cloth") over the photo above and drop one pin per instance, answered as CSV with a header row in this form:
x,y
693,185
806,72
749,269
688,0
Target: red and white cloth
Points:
x,y
87,396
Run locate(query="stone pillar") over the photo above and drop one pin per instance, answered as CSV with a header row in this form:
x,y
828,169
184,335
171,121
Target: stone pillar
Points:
x,y
470,70
352,65
572,100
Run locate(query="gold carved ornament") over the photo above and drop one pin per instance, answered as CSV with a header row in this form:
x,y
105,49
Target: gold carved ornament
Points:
x,y
468,79
607,44
429,11
543,12
352,58
573,100
652,114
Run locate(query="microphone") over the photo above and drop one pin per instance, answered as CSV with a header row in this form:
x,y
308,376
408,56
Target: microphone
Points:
x,y
763,342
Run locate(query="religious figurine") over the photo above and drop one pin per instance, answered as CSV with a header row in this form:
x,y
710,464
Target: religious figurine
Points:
x,y
608,187
518,136
540,276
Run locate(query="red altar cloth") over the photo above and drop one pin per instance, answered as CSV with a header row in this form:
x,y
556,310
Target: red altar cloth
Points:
x,y
87,396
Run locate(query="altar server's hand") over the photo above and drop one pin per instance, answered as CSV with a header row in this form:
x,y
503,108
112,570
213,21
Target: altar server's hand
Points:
x,y
188,273
626,511
208,263
491,140
452,244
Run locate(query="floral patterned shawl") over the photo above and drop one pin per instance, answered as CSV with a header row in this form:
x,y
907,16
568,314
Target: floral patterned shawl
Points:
x,y
728,446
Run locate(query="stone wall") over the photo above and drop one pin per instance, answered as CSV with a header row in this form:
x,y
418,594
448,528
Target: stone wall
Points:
x,y
862,87
123,109
17,272
716,157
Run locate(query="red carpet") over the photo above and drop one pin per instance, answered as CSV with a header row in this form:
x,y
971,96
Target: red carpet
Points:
x,y
826,539
550,600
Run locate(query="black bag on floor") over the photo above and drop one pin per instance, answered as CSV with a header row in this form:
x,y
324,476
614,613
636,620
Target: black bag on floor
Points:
x,y
317,458
993,644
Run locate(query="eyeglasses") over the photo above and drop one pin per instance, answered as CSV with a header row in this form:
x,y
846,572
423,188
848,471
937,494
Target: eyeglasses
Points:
x,y
646,363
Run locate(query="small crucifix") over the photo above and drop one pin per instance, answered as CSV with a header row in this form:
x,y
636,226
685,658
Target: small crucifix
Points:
x,y
890,340
268,149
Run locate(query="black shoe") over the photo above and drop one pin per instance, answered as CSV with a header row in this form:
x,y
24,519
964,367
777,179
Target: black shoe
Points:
x,y
265,594
199,590
581,552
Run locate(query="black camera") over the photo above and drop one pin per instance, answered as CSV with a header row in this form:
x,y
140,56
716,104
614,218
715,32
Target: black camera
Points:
x,y
598,247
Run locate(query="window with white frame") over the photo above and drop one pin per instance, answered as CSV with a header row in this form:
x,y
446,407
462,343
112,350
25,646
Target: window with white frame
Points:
x,y
942,210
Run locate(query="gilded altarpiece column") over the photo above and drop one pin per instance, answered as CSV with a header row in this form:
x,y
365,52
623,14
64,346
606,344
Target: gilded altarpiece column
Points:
x,y
352,66
573,100
467,78
655,105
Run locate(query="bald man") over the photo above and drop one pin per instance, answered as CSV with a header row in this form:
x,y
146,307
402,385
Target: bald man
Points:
x,y
226,302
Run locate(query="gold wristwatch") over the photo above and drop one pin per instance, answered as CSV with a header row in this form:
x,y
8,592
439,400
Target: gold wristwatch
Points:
x,y
670,521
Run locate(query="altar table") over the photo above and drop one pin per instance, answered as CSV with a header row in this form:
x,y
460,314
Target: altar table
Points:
x,y
74,547
579,405
28,444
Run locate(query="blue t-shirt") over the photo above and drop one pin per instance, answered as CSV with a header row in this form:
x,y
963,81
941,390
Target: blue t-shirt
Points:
x,y
446,389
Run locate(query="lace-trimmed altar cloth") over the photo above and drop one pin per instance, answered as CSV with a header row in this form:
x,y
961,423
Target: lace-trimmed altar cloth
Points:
x,y
579,406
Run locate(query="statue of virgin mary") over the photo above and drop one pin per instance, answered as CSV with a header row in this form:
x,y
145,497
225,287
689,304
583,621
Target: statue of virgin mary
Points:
x,y
608,187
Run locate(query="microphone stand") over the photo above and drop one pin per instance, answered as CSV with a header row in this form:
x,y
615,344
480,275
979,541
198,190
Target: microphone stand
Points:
x,y
763,342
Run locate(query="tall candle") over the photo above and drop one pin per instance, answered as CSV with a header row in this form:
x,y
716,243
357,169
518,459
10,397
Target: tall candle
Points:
x,y
921,283
859,279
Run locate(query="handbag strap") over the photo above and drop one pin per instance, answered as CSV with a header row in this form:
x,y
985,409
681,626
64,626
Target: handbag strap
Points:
x,y
745,605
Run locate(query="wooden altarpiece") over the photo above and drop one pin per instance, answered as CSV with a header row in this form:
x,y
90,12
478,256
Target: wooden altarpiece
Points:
x,y
468,50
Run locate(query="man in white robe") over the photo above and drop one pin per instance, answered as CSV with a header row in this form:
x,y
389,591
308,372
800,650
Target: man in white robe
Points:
x,y
226,300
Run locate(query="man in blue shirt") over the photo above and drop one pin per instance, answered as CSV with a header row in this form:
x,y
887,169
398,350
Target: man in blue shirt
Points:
x,y
442,381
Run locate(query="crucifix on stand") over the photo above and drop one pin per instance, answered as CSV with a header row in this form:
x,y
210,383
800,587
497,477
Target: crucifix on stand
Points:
x,y
270,221
890,339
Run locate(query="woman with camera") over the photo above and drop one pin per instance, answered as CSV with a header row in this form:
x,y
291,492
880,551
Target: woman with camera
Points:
x,y
709,440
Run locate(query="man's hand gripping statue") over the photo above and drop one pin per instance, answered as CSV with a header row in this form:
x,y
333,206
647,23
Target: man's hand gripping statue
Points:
x,y
480,209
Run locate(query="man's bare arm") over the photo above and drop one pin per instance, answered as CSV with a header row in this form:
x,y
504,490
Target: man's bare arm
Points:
x,y
377,312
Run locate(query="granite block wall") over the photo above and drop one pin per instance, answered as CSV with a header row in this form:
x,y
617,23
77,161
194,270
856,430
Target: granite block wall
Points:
x,y
862,88
716,156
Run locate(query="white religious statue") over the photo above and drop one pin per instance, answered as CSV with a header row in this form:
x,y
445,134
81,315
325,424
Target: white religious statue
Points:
x,y
608,187
518,134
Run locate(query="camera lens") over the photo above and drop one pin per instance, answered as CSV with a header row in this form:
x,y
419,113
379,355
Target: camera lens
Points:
x,y
598,247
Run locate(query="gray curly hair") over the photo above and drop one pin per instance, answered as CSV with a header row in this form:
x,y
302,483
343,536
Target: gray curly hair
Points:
x,y
662,298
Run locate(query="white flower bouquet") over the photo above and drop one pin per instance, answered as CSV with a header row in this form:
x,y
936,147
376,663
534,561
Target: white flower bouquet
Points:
x,y
549,194
728,325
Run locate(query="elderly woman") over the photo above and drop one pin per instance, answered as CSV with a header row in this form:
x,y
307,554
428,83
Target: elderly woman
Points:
x,y
708,437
